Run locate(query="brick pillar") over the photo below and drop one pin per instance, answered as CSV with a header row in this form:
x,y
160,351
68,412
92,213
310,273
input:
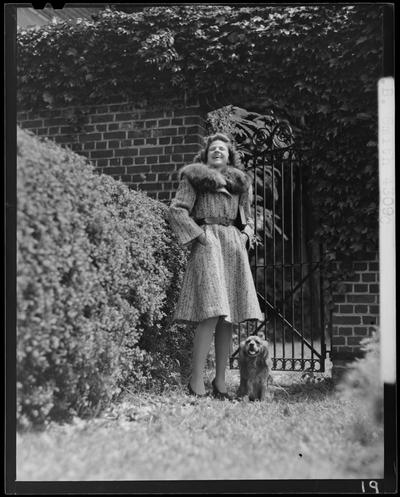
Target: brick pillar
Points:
x,y
355,313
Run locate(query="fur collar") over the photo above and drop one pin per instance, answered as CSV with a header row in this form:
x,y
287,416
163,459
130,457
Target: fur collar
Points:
x,y
205,178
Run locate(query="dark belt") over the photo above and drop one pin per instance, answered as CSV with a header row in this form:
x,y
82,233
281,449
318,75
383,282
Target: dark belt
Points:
x,y
225,221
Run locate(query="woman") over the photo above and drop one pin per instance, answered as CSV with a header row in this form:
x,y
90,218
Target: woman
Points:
x,y
217,289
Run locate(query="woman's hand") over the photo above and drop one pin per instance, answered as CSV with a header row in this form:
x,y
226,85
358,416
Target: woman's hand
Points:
x,y
244,238
202,239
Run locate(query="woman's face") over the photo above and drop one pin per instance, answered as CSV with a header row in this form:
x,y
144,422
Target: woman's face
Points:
x,y
218,154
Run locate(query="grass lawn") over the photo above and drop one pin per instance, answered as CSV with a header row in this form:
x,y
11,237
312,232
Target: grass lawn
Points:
x,y
307,431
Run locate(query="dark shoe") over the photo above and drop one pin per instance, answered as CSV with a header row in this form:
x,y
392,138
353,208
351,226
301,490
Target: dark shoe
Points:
x,y
192,392
220,395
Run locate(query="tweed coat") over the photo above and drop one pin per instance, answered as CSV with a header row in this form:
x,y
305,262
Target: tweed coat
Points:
x,y
218,279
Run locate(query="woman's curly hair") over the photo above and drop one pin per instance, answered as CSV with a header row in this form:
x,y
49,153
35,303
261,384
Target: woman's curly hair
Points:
x,y
233,158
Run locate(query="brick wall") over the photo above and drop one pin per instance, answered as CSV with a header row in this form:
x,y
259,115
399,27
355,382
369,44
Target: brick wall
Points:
x,y
356,311
143,147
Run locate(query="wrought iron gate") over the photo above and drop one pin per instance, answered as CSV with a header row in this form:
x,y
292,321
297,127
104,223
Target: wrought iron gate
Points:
x,y
288,279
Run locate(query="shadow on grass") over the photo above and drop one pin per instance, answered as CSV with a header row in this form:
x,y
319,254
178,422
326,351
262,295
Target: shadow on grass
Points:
x,y
287,386
300,391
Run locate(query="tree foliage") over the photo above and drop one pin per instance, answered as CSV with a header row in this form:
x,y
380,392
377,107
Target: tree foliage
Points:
x,y
315,65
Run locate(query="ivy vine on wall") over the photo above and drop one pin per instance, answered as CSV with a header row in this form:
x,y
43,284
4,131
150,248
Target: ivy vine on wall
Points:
x,y
315,65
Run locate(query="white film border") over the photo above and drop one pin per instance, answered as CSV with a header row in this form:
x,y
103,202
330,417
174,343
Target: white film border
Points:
x,y
387,241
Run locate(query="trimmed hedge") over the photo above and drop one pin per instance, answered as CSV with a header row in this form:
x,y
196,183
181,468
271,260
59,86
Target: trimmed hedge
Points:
x,y
98,270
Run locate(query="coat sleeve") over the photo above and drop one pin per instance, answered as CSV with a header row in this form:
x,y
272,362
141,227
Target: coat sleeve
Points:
x,y
246,200
185,228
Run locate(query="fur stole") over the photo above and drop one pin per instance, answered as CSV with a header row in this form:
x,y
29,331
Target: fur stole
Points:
x,y
208,179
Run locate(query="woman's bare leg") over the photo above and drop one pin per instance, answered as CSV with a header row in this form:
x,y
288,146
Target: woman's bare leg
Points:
x,y
201,346
223,338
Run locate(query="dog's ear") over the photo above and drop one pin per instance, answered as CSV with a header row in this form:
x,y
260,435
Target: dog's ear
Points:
x,y
268,360
264,349
243,360
242,353
264,354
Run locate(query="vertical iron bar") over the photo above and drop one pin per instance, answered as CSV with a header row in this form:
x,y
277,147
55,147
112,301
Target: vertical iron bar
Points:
x,y
292,248
283,256
264,243
330,332
300,174
312,308
255,226
273,251
322,311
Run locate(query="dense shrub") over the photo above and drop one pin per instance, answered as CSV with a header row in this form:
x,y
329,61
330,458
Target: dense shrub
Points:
x,y
170,344
95,262
362,383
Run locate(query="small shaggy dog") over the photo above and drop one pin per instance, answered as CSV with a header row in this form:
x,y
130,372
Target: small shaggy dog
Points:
x,y
255,367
